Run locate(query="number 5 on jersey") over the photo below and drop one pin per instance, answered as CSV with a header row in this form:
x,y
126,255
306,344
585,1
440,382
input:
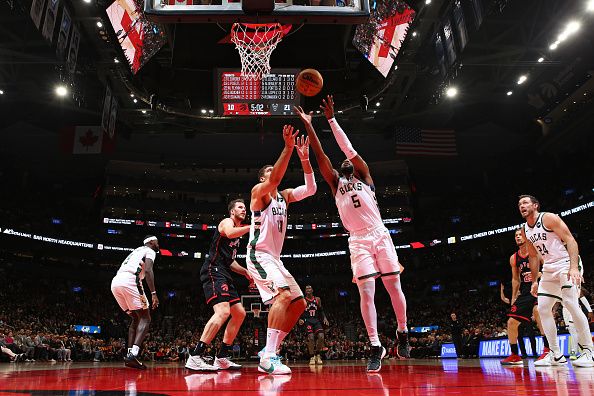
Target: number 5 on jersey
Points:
x,y
356,202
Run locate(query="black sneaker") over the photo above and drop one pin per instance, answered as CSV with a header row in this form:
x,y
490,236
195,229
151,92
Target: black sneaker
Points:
x,y
375,360
133,362
403,347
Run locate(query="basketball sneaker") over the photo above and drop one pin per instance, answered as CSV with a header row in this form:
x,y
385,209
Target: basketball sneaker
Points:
x,y
224,363
273,365
312,361
197,363
133,362
375,360
403,347
585,359
319,360
512,360
550,360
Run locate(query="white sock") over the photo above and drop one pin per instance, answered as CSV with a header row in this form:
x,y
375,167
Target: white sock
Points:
x,y
272,342
368,312
129,351
135,350
573,339
394,289
281,337
571,302
545,310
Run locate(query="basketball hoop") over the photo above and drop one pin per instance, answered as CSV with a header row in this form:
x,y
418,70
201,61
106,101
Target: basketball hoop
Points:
x,y
256,312
255,43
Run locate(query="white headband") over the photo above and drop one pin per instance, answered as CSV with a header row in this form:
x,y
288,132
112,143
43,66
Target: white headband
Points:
x,y
151,238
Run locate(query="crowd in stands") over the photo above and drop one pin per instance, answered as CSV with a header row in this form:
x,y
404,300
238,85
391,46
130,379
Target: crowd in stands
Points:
x,y
38,326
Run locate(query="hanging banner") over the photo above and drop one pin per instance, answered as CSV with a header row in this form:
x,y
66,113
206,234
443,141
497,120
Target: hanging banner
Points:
x,y
113,114
51,14
73,51
106,109
65,27
37,12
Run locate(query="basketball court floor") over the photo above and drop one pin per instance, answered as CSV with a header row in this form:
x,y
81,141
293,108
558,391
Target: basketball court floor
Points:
x,y
413,377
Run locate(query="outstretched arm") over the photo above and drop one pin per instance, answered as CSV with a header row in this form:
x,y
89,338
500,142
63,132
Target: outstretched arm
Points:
x,y
328,172
280,166
309,188
343,141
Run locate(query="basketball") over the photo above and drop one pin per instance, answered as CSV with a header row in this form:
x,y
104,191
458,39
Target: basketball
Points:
x,y
309,82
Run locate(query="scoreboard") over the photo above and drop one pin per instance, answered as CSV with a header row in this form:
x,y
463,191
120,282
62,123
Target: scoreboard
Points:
x,y
274,95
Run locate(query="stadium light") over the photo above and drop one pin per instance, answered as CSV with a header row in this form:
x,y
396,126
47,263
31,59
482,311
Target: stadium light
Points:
x,y
116,60
540,60
451,92
509,93
414,34
203,111
143,111
87,1
378,104
210,111
135,100
427,2
61,91
554,46
1,92
99,24
522,79
590,6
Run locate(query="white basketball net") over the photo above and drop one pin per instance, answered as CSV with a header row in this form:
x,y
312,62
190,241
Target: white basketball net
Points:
x,y
255,43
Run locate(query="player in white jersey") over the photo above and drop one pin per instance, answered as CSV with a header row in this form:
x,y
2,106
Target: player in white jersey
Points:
x,y
267,233
547,236
372,251
127,289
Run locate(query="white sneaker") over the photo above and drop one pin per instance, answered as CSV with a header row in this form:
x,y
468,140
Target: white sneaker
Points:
x,y
197,363
272,365
226,364
585,359
550,360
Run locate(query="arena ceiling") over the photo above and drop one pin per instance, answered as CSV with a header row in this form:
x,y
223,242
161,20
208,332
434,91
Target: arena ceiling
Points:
x,y
512,37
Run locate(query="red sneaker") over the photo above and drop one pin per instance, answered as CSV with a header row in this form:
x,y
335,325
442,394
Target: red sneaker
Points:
x,y
512,360
545,352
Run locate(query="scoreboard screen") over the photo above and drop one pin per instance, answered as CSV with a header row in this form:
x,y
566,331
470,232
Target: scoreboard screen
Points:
x,y
274,95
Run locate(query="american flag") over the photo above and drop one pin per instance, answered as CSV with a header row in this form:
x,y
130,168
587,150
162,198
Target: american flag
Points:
x,y
417,141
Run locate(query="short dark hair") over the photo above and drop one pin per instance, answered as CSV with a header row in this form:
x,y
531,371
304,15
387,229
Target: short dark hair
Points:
x,y
232,204
531,197
262,170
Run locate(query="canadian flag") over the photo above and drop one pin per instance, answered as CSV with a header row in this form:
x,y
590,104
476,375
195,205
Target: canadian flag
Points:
x,y
86,140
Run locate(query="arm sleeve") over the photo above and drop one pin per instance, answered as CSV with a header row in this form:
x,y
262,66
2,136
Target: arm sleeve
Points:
x,y
586,303
342,139
306,190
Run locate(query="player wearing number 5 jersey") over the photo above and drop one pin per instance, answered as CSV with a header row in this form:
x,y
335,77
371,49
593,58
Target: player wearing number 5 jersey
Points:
x,y
267,234
372,251
546,235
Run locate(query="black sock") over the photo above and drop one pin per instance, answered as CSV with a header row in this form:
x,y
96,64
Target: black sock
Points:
x,y
514,348
199,350
545,341
225,350
402,337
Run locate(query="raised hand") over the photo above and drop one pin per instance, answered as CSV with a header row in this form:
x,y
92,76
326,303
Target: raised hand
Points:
x,y
289,136
306,118
303,148
328,106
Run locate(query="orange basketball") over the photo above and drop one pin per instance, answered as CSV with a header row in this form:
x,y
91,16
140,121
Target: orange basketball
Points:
x,y
309,82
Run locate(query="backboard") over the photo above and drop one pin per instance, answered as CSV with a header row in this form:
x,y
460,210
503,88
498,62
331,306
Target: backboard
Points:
x,y
346,12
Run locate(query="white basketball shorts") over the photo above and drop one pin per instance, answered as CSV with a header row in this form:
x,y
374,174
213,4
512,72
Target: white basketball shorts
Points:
x,y
129,293
270,276
373,254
